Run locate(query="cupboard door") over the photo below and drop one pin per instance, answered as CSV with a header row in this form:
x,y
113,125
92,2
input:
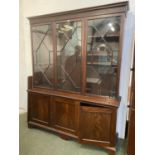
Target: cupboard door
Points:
x,y
66,115
131,128
103,35
131,134
39,108
42,49
97,125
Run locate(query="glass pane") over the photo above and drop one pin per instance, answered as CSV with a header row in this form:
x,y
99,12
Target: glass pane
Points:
x,y
102,56
69,56
42,55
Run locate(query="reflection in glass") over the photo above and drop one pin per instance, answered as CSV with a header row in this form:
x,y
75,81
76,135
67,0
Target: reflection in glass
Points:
x,y
102,56
42,55
69,56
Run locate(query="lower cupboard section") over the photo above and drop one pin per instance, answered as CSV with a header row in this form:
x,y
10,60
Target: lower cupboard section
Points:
x,y
88,122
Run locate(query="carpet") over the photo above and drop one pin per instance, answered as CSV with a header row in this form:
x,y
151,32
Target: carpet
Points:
x,y
38,142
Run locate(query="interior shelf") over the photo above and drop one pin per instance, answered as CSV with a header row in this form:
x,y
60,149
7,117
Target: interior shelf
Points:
x,y
116,34
41,32
100,55
94,80
101,63
94,53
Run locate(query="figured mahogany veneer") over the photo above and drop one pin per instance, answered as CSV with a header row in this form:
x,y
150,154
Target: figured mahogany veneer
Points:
x,y
71,117
131,128
66,114
89,117
88,122
39,108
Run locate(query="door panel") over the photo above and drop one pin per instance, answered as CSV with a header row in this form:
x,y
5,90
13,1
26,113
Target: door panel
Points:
x,y
131,136
97,125
39,108
131,129
42,46
103,35
66,115
69,55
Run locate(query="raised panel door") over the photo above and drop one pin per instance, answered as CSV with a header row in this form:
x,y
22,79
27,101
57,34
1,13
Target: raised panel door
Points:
x,y
97,125
66,114
39,110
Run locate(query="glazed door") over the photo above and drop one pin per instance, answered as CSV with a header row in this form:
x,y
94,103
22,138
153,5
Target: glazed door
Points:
x,y
68,55
42,50
102,56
